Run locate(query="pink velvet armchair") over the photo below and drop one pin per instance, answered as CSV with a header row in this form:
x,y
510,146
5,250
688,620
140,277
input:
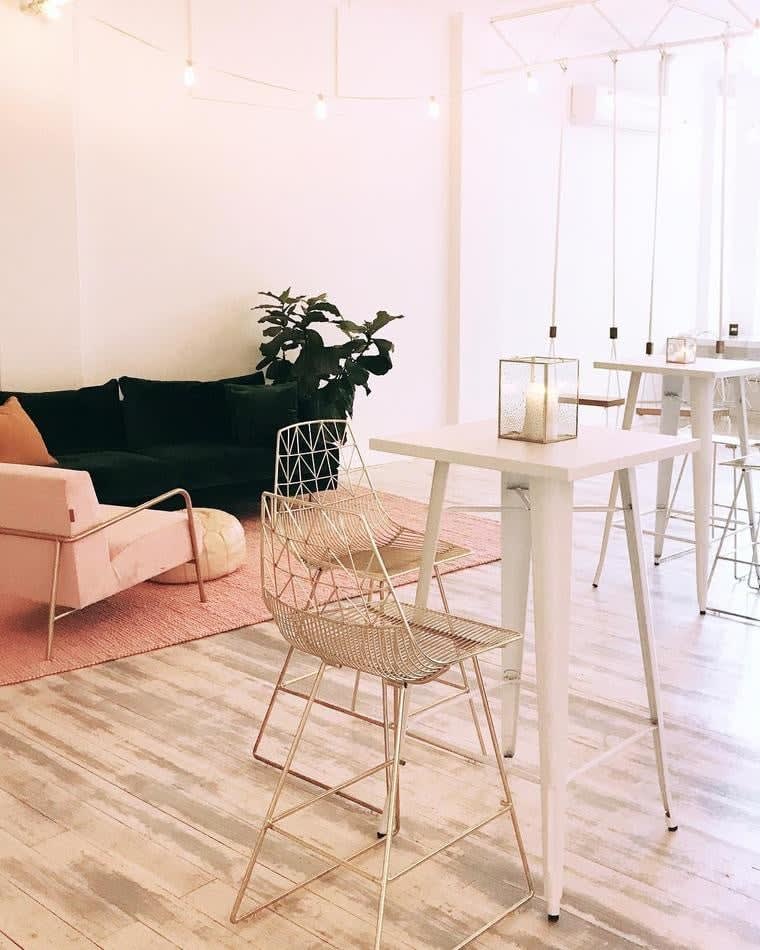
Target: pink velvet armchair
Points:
x,y
60,546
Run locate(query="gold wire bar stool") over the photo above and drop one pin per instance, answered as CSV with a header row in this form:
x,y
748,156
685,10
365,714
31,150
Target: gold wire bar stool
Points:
x,y
319,463
324,606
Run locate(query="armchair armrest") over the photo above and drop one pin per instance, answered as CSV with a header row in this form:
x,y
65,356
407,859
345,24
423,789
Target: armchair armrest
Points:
x,y
133,511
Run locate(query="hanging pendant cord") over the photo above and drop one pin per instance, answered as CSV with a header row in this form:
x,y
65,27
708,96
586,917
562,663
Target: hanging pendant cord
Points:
x,y
557,216
660,100
189,31
719,343
613,326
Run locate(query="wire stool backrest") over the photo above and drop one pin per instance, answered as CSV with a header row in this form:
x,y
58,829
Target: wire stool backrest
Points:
x,y
319,463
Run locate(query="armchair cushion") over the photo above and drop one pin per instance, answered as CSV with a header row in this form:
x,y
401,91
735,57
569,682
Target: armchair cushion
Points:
x,y
145,544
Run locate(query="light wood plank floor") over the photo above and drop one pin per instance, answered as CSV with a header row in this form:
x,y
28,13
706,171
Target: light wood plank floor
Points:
x,y
129,800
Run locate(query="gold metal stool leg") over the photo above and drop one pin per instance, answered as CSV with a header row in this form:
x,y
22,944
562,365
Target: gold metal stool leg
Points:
x,y
235,917
393,794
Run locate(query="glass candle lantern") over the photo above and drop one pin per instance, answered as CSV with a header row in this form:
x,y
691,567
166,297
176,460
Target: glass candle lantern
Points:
x,y
538,399
680,349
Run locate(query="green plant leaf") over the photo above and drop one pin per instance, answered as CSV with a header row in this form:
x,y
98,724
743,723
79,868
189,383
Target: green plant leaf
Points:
x,y
349,327
326,306
382,319
377,365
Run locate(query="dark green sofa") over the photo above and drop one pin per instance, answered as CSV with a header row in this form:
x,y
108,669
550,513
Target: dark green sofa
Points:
x,y
138,438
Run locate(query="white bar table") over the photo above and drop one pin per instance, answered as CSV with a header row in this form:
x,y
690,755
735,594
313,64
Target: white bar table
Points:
x,y
702,376
548,472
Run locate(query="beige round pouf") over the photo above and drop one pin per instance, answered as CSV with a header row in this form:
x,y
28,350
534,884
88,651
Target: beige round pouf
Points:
x,y
221,543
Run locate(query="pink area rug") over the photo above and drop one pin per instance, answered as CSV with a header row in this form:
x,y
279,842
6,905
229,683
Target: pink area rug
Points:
x,y
151,616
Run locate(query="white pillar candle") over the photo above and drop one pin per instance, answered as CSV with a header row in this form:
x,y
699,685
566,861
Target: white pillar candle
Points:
x,y
541,413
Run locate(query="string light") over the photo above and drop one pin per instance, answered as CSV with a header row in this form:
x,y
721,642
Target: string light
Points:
x,y
434,108
189,76
320,108
531,83
52,8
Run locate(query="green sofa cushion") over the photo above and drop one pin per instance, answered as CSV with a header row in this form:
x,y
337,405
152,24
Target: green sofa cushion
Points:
x,y
213,465
125,478
258,412
170,413
252,379
76,420
159,412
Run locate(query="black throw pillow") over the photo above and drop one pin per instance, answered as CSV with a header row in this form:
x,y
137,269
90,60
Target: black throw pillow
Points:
x,y
258,412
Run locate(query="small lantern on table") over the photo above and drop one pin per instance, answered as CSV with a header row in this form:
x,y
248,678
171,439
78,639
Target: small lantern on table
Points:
x,y
538,399
680,349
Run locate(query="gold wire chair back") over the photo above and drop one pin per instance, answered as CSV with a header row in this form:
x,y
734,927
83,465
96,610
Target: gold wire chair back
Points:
x,y
319,463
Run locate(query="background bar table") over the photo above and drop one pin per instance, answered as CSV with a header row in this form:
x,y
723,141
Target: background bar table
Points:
x,y
702,376
543,537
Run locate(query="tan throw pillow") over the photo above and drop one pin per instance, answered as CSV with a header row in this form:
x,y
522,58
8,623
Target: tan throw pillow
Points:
x,y
20,439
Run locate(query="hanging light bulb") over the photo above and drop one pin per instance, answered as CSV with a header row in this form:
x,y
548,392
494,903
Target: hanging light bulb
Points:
x,y
320,107
532,83
189,76
52,8
434,108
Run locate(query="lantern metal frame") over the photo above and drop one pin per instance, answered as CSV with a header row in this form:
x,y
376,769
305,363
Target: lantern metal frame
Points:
x,y
565,386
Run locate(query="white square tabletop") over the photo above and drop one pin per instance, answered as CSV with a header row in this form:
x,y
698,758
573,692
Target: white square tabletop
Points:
x,y
596,451
704,366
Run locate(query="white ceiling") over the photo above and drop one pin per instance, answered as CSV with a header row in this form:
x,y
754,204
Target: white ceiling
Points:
x,y
581,27
541,30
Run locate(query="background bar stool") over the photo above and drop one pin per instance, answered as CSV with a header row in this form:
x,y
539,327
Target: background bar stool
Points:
x,y
324,607
319,463
746,465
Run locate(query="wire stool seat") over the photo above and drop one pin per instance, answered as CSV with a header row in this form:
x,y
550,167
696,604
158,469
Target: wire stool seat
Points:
x,y
325,608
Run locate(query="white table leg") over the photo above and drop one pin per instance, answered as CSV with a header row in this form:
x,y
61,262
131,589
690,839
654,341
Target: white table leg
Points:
x,y
630,408
551,522
432,531
515,574
672,391
741,384
632,516
702,427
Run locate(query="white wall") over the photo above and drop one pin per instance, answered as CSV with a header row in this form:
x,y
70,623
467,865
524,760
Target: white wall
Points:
x,y
39,282
511,143
186,208
138,222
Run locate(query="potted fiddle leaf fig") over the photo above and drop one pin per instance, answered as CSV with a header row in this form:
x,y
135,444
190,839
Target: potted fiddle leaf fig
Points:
x,y
308,341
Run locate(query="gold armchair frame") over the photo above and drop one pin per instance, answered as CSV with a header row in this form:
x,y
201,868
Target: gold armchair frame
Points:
x,y
60,540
